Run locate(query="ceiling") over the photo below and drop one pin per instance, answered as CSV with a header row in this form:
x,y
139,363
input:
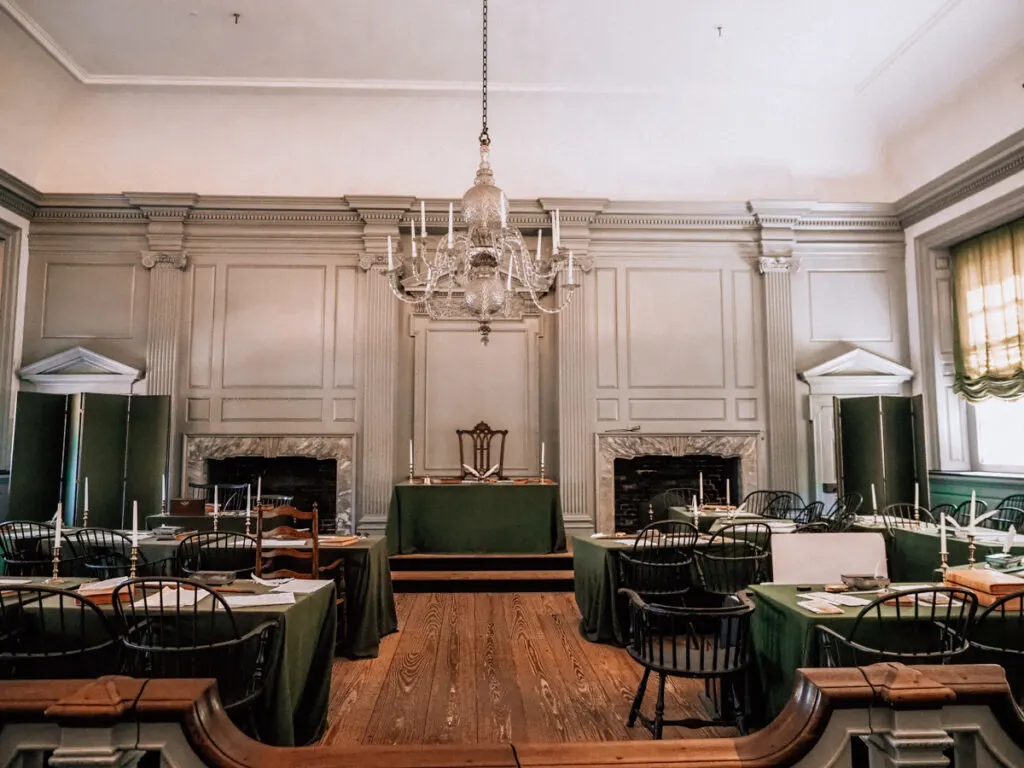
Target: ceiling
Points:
x,y
920,48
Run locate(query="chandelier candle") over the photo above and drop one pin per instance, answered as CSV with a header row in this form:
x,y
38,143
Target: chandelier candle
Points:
x,y
423,219
451,217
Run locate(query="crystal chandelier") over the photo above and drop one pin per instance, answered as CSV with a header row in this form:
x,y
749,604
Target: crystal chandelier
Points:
x,y
485,271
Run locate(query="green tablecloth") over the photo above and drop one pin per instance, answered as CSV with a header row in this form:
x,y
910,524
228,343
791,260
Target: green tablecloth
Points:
x,y
369,597
293,710
915,554
475,517
604,612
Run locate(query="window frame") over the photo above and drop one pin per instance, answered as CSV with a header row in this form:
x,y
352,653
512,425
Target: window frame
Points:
x,y
975,455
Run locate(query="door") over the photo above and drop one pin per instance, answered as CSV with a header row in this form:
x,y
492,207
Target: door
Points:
x,y
149,426
37,467
101,453
859,448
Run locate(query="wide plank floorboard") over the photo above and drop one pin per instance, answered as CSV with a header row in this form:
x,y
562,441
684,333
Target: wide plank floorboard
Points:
x,y
493,668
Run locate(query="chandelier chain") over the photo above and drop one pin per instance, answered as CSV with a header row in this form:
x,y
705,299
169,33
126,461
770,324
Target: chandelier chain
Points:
x,y
485,137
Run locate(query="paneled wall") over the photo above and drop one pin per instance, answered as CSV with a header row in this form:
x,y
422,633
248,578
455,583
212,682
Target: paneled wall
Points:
x,y
679,340
272,343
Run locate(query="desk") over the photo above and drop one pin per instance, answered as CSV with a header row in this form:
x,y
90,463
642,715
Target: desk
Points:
x,y
706,520
369,597
233,522
915,553
475,517
604,612
293,710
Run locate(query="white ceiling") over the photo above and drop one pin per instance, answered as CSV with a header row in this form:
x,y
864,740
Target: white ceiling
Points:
x,y
921,47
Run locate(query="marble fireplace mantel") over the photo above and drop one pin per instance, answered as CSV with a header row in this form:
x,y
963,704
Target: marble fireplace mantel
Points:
x,y
199,448
629,445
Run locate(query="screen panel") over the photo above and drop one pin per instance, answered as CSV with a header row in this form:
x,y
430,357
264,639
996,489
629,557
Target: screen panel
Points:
x,y
38,458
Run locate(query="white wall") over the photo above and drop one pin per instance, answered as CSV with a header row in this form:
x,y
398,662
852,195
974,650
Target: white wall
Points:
x,y
34,89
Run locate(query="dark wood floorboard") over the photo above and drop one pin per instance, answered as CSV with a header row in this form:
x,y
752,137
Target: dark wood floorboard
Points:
x,y
493,668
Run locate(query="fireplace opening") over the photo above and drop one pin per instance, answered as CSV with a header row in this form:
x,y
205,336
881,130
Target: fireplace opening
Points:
x,y
639,479
306,480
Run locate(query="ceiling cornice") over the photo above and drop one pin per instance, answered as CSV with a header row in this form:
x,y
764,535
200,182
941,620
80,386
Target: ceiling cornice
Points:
x,y
17,196
998,162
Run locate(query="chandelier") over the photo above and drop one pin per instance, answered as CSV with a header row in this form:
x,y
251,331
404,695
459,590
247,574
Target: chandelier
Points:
x,y
485,271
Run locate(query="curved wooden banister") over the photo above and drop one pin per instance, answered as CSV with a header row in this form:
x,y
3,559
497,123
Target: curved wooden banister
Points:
x,y
818,694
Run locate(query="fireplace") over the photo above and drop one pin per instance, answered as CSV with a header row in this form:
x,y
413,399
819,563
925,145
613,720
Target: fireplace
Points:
x,y
308,481
328,452
640,478
745,447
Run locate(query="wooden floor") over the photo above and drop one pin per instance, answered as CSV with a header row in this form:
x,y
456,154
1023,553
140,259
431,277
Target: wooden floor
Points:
x,y
485,668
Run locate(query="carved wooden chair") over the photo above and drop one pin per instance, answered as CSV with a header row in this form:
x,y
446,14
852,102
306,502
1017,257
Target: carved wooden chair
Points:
x,y
481,441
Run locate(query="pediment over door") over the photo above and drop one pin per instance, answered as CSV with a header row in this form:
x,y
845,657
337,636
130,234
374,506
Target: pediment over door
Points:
x,y
79,370
857,372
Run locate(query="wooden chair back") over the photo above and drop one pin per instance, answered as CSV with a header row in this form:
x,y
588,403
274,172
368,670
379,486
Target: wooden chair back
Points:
x,y
269,563
481,440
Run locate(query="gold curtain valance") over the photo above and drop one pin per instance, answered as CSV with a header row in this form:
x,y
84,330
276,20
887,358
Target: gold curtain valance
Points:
x,y
988,304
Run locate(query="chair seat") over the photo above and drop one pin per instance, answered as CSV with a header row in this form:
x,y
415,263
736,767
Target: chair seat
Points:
x,y
677,656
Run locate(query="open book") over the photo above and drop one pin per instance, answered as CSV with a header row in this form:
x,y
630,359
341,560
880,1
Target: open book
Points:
x,y
477,475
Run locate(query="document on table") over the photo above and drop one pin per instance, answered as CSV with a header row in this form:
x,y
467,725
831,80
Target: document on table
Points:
x,y
303,586
292,543
257,601
170,597
14,582
837,598
819,606
271,582
102,587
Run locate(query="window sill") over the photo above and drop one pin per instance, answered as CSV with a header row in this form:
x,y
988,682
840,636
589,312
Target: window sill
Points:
x,y
992,476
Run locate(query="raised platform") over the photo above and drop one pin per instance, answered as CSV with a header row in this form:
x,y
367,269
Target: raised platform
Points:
x,y
482,573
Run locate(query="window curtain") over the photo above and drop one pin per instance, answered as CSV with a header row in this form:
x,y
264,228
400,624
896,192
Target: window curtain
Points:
x,y
988,305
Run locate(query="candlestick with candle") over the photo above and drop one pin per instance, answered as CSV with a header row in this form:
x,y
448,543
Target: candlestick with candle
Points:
x,y
727,494
412,233
974,501
874,502
163,494
570,279
412,470
133,559
423,218
391,256
216,509
259,492
700,487
248,508
451,224
917,509
57,538
85,505
554,233
540,240
542,462
943,551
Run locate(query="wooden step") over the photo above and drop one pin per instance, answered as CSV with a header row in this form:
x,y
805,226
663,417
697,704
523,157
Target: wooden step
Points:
x,y
566,575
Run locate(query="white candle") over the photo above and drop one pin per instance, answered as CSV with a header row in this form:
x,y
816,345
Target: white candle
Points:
x,y
259,488
248,499
508,282
85,501
412,232
540,240
451,224
942,535
570,267
974,501
554,232
411,462
423,218
504,217
542,454
391,255
135,524
216,507
558,228
917,495
727,492
700,487
60,525
163,488
874,499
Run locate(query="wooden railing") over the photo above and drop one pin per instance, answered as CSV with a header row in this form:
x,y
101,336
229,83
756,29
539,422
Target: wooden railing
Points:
x,y
883,715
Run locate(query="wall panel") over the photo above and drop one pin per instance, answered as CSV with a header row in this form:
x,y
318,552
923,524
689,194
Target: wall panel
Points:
x,y
850,305
201,329
88,301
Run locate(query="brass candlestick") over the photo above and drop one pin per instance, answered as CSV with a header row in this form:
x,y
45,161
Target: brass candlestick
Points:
x,y
133,560
55,577
542,471
970,549
412,472
944,565
216,518
248,522
917,517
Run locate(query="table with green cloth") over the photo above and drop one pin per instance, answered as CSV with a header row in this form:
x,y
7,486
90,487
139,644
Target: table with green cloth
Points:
x,y
369,596
706,520
915,554
475,518
603,610
232,521
293,708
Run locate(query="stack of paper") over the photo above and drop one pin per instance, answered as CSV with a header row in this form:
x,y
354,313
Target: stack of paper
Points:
x,y
257,601
819,606
301,586
169,597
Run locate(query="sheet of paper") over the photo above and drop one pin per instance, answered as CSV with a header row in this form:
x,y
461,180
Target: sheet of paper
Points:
x,y
291,543
303,586
838,598
270,582
255,601
107,585
14,582
907,587
170,597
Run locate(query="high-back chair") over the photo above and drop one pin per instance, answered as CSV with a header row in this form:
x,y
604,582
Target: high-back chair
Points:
x,y
659,567
1005,517
476,450
180,628
785,505
963,511
737,556
756,502
997,637
46,633
284,560
917,626
847,504
217,551
659,505
708,644
106,554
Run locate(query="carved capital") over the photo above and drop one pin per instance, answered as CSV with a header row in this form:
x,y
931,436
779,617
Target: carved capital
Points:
x,y
766,264
165,259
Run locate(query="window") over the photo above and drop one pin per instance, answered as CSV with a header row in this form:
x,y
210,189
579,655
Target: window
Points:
x,y
998,436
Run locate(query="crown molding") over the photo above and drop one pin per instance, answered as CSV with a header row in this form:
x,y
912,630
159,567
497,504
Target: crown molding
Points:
x,y
998,162
17,196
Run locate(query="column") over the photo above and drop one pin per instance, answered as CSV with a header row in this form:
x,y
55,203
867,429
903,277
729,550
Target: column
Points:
x,y
782,421
380,359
